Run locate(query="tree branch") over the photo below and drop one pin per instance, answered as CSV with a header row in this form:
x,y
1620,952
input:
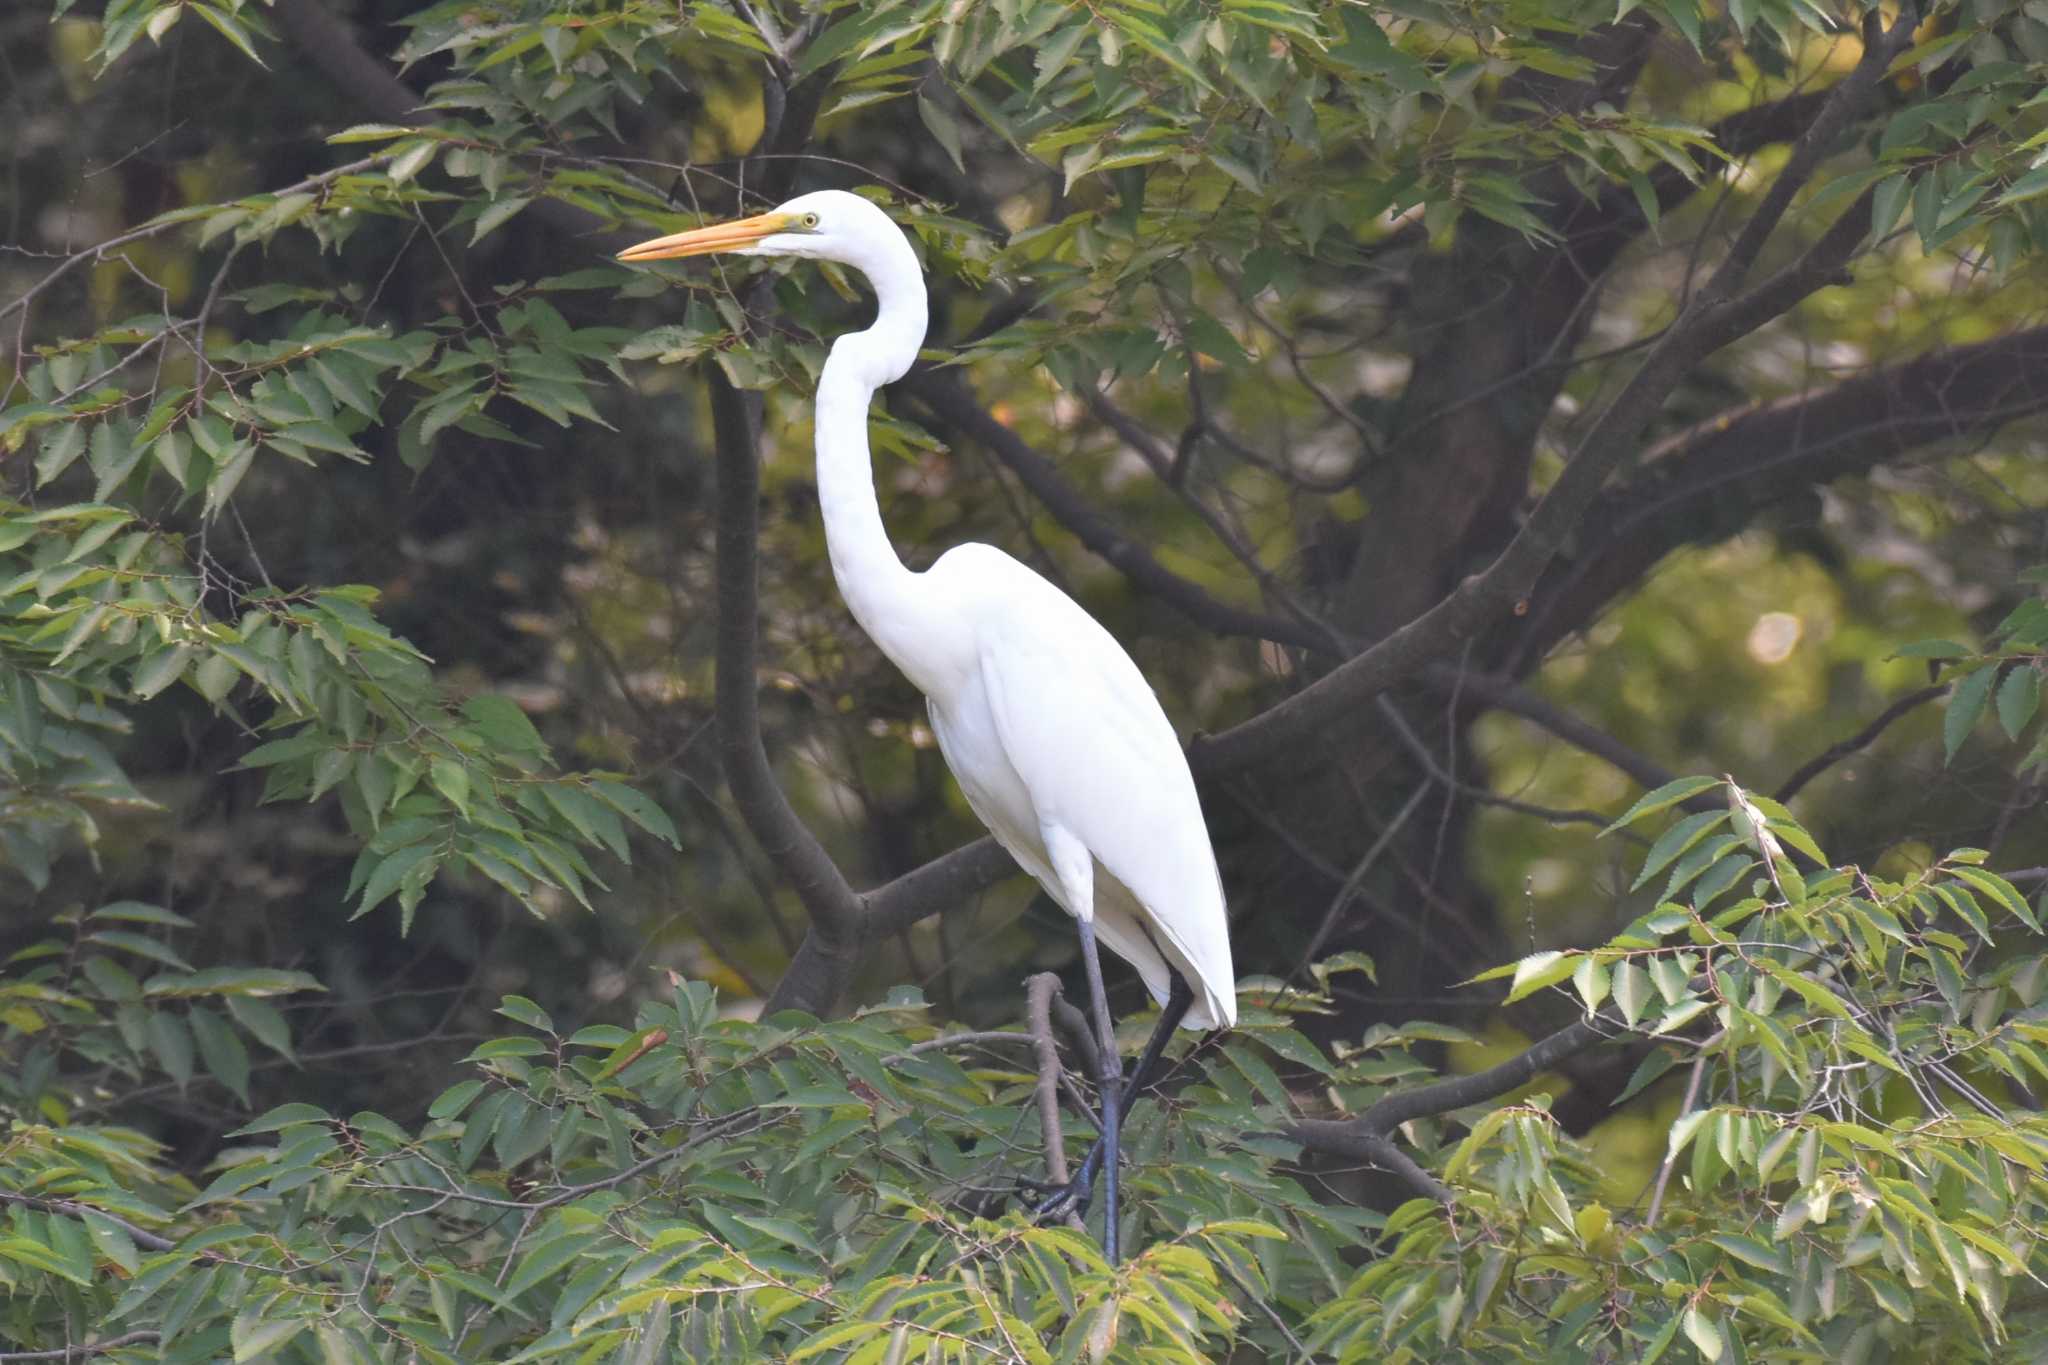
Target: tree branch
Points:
x,y
1368,1136
141,1236
1038,993
87,1351
946,398
1701,483
836,913
1711,320
1856,743
1506,694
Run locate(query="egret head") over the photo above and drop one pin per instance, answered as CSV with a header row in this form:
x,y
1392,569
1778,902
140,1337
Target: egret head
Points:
x,y
829,225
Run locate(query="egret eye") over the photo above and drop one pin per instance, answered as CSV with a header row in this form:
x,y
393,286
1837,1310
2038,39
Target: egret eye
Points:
x,y
810,220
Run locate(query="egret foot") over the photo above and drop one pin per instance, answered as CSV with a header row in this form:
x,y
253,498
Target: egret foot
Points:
x,y
1052,1203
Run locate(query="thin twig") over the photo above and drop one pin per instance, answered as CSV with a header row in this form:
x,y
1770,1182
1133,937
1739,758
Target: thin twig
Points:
x,y
1856,743
1692,1094
1349,890
962,1040
1419,751
96,1348
141,1236
98,251
1038,994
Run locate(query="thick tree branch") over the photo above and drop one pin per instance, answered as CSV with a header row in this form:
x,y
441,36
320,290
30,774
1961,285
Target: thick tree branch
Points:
x,y
1715,317
325,41
1368,1136
1703,483
944,881
836,913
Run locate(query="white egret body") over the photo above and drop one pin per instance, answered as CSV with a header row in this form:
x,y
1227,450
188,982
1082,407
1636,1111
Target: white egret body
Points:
x,y
1053,734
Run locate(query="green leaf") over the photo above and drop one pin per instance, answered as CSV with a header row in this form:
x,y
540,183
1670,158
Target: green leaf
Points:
x,y
171,1041
500,721
639,809
519,1008
1665,797
256,981
370,132
1702,1332
1590,980
1538,970
233,30
454,1100
943,128
160,670
221,1049
282,1117
139,945
412,863
1631,990
257,1338
2019,696
1965,705
451,779
496,214
263,1022
1676,840
136,912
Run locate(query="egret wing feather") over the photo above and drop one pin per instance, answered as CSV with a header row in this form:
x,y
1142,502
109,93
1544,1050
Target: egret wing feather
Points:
x,y
1090,744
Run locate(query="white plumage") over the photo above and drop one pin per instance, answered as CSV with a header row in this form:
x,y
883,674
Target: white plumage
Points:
x,y
1053,734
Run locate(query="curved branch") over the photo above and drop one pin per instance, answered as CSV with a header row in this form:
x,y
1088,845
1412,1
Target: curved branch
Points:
x,y
1858,742
1700,483
836,913
1368,1135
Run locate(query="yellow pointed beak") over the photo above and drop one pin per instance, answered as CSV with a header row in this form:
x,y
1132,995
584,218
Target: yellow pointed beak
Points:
x,y
733,236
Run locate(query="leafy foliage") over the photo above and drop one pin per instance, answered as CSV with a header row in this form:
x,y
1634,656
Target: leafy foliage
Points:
x,y
1212,215
724,1190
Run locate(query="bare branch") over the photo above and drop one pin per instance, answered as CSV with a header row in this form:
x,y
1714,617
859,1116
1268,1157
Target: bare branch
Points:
x,y
1856,743
1167,466
141,1236
1038,993
1692,1095
86,1351
158,226
1700,483
947,399
1508,695
1419,751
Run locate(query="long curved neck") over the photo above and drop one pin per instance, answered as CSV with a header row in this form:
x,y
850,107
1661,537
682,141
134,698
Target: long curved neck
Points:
x,y
877,587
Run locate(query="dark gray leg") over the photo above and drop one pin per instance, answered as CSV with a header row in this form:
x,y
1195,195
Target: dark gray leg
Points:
x,y
1074,1197
1109,1084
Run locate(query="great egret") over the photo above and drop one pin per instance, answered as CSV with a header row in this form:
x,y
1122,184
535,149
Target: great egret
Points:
x,y
1051,731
